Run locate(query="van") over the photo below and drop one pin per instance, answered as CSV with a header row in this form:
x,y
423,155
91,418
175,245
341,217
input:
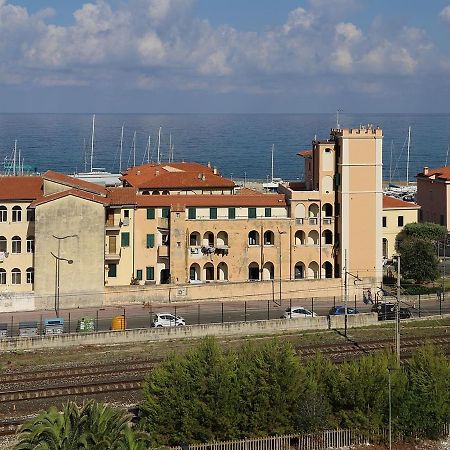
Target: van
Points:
x,y
54,326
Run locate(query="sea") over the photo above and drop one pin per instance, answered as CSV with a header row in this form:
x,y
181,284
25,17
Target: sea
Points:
x,y
239,145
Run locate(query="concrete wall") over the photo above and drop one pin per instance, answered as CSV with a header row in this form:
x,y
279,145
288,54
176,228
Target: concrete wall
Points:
x,y
17,301
263,327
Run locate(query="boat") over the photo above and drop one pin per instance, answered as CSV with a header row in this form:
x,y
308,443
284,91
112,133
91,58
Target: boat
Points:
x,y
272,185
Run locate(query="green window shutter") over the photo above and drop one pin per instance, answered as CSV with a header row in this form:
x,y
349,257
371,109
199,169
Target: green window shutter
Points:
x,y
267,212
139,274
150,273
232,213
213,213
150,240
125,239
252,213
165,213
192,213
337,180
112,270
150,213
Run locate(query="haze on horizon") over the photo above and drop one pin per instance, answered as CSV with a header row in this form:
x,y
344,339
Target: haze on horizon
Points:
x,y
262,56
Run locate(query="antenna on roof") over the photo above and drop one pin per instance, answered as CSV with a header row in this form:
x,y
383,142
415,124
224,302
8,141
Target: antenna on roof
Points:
x,y
121,149
92,141
134,149
338,126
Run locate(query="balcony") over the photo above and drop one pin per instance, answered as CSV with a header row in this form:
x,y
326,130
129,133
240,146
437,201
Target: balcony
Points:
x,y
112,256
327,220
163,251
312,220
299,221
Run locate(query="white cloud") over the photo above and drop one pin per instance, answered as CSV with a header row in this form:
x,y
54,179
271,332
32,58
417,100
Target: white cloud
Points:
x,y
445,14
348,32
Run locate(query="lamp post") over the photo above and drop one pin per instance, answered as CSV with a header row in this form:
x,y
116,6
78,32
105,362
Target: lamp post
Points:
x,y
58,259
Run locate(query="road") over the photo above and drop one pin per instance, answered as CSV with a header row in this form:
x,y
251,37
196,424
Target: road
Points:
x,y
139,316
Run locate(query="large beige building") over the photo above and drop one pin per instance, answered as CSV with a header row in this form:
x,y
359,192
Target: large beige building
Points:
x,y
185,226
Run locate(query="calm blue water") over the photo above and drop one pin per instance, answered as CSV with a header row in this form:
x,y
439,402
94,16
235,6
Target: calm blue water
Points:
x,y
238,144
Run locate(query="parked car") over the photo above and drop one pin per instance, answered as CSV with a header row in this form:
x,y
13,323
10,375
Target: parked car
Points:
x,y
386,311
167,320
296,312
340,311
54,326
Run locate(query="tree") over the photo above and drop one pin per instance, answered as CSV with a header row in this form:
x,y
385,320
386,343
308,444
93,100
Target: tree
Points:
x,y
418,260
93,426
429,231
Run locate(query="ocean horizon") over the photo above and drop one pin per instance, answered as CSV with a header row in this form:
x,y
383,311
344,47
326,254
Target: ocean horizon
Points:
x,y
238,144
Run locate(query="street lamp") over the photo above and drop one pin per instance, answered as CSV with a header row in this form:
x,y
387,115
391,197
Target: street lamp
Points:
x,y
58,258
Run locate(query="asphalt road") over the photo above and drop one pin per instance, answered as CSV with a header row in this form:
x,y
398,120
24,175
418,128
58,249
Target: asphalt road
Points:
x,y
138,316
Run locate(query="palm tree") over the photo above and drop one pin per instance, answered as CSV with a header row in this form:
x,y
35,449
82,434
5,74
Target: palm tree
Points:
x,y
94,426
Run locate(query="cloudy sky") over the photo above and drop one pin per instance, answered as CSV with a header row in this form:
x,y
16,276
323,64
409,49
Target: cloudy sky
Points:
x,y
225,55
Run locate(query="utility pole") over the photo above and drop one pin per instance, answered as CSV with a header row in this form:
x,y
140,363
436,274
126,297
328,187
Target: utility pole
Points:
x,y
345,292
397,315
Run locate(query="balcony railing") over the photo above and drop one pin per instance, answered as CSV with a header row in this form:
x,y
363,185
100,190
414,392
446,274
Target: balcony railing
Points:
x,y
327,220
313,220
112,256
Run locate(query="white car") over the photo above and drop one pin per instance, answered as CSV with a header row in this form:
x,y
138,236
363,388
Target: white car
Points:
x,y
296,312
167,320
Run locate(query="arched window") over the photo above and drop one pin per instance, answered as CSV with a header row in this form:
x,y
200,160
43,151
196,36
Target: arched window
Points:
x,y
313,270
313,210
385,248
299,237
300,211
313,237
3,246
327,236
268,271
327,268
222,271
30,244
269,238
194,239
253,271
16,276
194,272
30,275
208,272
208,239
327,210
17,214
299,271
253,238
222,239
2,276
16,245
3,214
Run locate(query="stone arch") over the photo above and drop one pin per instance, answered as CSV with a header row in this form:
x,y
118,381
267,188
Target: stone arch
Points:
x,y
268,271
313,270
313,237
299,237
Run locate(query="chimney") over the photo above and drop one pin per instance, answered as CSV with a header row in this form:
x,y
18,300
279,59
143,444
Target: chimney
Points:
x,y
425,170
215,171
203,177
209,164
157,173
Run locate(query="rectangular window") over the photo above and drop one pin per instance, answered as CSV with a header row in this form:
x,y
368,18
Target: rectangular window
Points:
x,y
150,213
30,276
112,270
17,214
400,221
165,213
150,240
267,212
3,214
192,213
2,276
213,213
232,213
150,273
252,213
384,222
139,274
30,245
126,213
30,215
125,239
337,180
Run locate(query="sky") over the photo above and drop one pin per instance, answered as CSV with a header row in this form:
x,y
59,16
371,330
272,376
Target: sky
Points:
x,y
225,56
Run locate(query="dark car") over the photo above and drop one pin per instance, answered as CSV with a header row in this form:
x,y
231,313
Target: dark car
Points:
x,y
340,311
386,311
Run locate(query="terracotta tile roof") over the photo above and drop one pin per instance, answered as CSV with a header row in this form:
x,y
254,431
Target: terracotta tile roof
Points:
x,y
175,176
261,200
74,182
441,172
74,192
305,153
20,188
247,191
122,196
394,203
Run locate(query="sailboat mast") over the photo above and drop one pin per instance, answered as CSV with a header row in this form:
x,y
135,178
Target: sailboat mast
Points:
x,y
273,148
14,160
159,146
149,146
121,149
134,149
92,142
84,154
407,157
390,165
170,145
448,150
18,160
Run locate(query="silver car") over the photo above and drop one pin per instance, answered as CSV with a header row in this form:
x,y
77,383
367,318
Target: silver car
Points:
x,y
296,312
167,320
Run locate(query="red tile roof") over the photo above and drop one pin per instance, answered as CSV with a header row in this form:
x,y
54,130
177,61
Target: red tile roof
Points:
x,y
74,192
175,176
305,153
74,182
441,172
394,203
122,196
20,188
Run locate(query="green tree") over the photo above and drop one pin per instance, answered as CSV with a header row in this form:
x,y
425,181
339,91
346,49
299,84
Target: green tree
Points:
x,y
92,426
429,231
418,260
